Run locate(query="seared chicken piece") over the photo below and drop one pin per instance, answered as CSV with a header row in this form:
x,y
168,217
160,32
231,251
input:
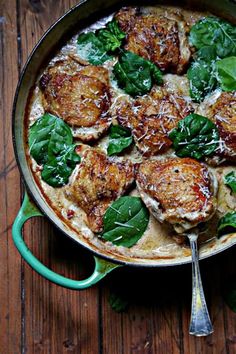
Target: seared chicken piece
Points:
x,y
78,95
100,180
220,107
178,191
157,38
151,118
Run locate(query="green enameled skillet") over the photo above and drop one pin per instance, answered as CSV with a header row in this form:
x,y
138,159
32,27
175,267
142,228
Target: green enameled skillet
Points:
x,y
81,15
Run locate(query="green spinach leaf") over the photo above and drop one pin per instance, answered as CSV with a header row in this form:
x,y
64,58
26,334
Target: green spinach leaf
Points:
x,y
202,73
155,73
91,49
50,141
215,39
207,53
58,168
48,133
94,47
195,136
118,302
202,79
125,221
227,73
111,36
119,139
230,296
136,75
227,224
230,180
213,31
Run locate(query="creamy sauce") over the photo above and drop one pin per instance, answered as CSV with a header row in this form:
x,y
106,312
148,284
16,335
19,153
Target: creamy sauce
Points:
x,y
159,240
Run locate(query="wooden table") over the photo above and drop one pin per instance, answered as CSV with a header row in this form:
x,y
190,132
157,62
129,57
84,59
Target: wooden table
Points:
x,y
39,317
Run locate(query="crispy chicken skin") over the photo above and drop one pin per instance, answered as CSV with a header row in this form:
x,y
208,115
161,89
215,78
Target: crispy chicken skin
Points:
x,y
220,107
151,118
80,96
178,191
100,180
157,38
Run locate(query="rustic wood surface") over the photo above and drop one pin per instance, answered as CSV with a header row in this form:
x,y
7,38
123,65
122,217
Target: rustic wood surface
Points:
x,y
39,317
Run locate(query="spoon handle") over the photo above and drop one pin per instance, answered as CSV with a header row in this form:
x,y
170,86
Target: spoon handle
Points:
x,y
200,323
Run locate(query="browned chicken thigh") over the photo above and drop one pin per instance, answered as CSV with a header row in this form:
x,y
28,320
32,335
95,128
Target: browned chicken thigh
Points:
x,y
220,107
178,191
157,38
80,96
151,118
99,181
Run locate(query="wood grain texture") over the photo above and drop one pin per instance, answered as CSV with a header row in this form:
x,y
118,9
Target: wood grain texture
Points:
x,y
10,263
38,317
56,320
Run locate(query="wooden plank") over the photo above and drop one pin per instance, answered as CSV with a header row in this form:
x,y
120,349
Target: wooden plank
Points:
x,y
78,311
56,320
213,273
158,318
228,278
10,290
151,324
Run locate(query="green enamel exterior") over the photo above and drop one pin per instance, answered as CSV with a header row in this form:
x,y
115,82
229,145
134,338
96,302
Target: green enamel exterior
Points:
x,y
27,211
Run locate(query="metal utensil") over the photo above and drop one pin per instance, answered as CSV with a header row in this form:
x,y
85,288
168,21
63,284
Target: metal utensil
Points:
x,y
200,323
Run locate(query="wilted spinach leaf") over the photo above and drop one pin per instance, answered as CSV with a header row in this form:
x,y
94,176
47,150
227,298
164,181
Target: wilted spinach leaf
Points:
x,y
119,139
202,73
227,224
213,31
195,136
94,47
125,221
230,296
111,36
207,53
230,180
227,73
155,73
91,49
58,168
202,79
48,133
136,75
118,302
50,142
215,39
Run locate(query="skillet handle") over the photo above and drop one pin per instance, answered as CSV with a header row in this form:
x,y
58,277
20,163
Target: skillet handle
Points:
x,y
28,210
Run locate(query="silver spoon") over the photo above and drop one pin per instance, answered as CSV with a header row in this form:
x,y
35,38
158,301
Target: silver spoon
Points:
x,y
200,323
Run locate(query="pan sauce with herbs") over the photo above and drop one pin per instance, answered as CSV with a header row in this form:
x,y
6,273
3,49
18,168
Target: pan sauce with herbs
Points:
x,y
146,84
